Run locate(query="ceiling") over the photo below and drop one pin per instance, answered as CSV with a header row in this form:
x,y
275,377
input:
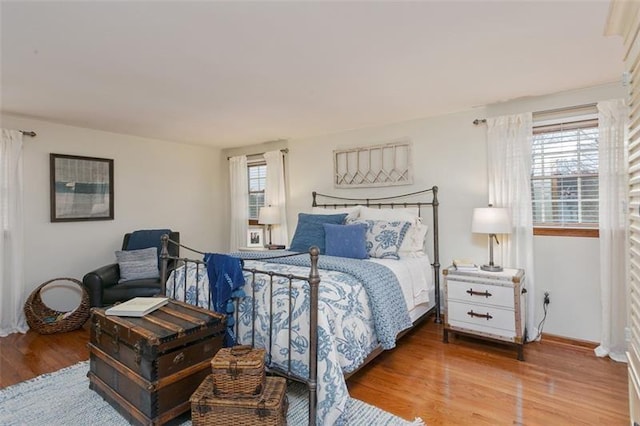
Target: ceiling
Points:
x,y
237,73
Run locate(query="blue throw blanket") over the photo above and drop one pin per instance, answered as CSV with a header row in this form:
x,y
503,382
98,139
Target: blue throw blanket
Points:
x,y
225,282
388,306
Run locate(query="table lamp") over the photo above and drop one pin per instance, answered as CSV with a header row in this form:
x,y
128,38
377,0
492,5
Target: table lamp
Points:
x,y
491,220
269,216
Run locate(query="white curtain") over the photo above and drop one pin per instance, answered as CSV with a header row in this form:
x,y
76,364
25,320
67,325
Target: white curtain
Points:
x,y
239,189
613,190
275,194
509,155
12,282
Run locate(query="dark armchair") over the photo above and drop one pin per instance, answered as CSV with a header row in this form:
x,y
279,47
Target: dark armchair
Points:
x,y
103,284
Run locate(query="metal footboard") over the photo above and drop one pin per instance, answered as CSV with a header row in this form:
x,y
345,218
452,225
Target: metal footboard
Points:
x,y
313,281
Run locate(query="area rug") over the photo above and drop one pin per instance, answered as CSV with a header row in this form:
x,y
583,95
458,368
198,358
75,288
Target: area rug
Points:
x,y
64,398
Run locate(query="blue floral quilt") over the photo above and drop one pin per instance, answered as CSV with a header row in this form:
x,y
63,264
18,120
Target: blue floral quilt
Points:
x,y
360,306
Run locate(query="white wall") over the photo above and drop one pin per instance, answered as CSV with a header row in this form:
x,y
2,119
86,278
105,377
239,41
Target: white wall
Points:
x,y
449,151
568,268
158,184
458,169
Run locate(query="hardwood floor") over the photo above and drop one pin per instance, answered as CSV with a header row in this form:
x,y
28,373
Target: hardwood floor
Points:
x,y
469,381
461,383
24,356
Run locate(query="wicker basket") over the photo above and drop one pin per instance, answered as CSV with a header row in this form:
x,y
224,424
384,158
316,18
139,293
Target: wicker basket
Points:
x,y
238,372
45,320
270,409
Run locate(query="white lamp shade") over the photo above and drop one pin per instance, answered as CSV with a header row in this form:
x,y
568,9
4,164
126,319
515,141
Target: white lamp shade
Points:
x,y
491,220
269,215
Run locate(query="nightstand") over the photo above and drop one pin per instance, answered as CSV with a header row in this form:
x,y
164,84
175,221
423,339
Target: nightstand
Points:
x,y
252,249
487,305
266,248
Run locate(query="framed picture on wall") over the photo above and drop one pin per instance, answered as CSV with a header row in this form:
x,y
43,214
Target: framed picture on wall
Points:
x,y
255,237
81,188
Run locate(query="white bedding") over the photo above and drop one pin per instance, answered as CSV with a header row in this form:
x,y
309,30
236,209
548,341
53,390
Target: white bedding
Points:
x,y
415,276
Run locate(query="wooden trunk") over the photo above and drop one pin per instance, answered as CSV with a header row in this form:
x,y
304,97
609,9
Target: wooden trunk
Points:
x,y
148,367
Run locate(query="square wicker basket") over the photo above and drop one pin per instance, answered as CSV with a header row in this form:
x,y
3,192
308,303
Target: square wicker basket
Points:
x,y
268,409
238,372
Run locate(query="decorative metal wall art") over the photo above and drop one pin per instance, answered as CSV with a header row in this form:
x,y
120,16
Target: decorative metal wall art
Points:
x,y
377,165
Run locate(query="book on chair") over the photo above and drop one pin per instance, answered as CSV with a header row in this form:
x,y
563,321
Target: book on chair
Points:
x,y
137,307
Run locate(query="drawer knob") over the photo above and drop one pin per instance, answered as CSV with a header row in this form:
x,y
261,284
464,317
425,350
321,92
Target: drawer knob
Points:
x,y
479,293
474,314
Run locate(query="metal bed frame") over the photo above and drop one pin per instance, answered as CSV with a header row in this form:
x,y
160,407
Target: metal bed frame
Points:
x,y
313,281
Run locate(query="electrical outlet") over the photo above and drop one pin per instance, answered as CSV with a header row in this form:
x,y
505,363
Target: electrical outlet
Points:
x,y
547,298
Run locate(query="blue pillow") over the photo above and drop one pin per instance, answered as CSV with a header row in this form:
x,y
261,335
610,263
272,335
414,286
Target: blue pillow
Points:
x,y
310,230
346,240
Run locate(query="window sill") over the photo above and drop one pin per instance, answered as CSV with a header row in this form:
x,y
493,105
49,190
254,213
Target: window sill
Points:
x,y
567,232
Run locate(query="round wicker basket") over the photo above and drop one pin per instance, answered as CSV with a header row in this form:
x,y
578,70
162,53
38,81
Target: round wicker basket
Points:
x,y
45,320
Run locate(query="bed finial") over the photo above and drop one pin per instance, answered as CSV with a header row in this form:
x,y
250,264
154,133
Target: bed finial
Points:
x,y
314,283
436,253
164,256
314,204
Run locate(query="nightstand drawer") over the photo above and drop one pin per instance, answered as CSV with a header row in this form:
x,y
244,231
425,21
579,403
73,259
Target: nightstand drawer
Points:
x,y
471,292
486,319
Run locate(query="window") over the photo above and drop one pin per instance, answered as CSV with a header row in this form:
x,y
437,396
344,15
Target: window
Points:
x,y
257,181
564,176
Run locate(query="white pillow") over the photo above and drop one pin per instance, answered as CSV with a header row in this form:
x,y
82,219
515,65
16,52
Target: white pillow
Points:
x,y
352,212
413,243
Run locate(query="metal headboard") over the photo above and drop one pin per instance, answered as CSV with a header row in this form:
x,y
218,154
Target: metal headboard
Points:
x,y
393,202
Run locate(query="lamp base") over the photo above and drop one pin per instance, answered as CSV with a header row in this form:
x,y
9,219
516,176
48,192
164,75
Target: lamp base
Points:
x,y
491,268
275,246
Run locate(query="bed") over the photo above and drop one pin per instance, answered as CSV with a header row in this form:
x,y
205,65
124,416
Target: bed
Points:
x,y
322,317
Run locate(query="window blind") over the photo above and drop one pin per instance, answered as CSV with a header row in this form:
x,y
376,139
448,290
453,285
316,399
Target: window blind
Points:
x,y
632,66
564,170
257,181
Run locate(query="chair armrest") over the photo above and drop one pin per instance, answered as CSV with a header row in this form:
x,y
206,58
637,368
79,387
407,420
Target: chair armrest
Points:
x,y
101,278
